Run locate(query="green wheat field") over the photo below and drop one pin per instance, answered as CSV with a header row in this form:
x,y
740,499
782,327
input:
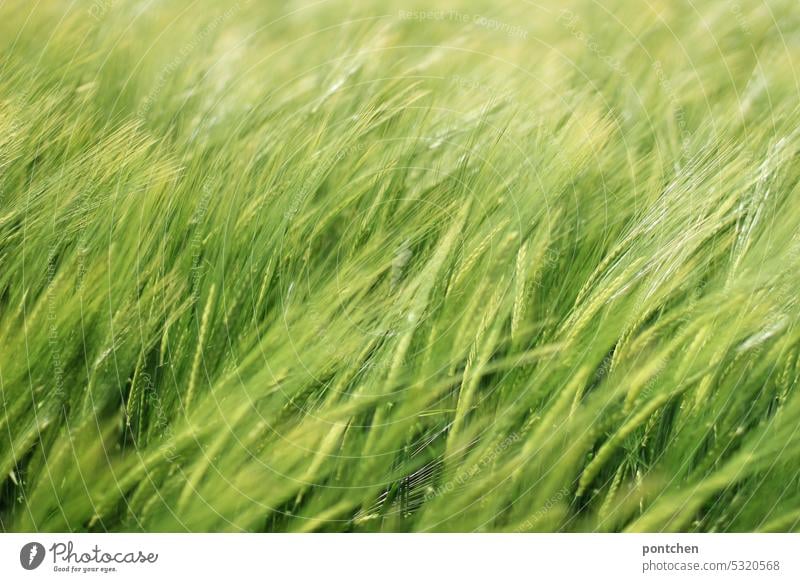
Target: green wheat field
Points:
x,y
337,266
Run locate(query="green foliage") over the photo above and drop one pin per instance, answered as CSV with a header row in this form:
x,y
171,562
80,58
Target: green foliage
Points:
x,y
371,267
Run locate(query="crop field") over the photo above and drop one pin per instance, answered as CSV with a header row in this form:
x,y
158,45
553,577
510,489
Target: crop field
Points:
x,y
395,266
